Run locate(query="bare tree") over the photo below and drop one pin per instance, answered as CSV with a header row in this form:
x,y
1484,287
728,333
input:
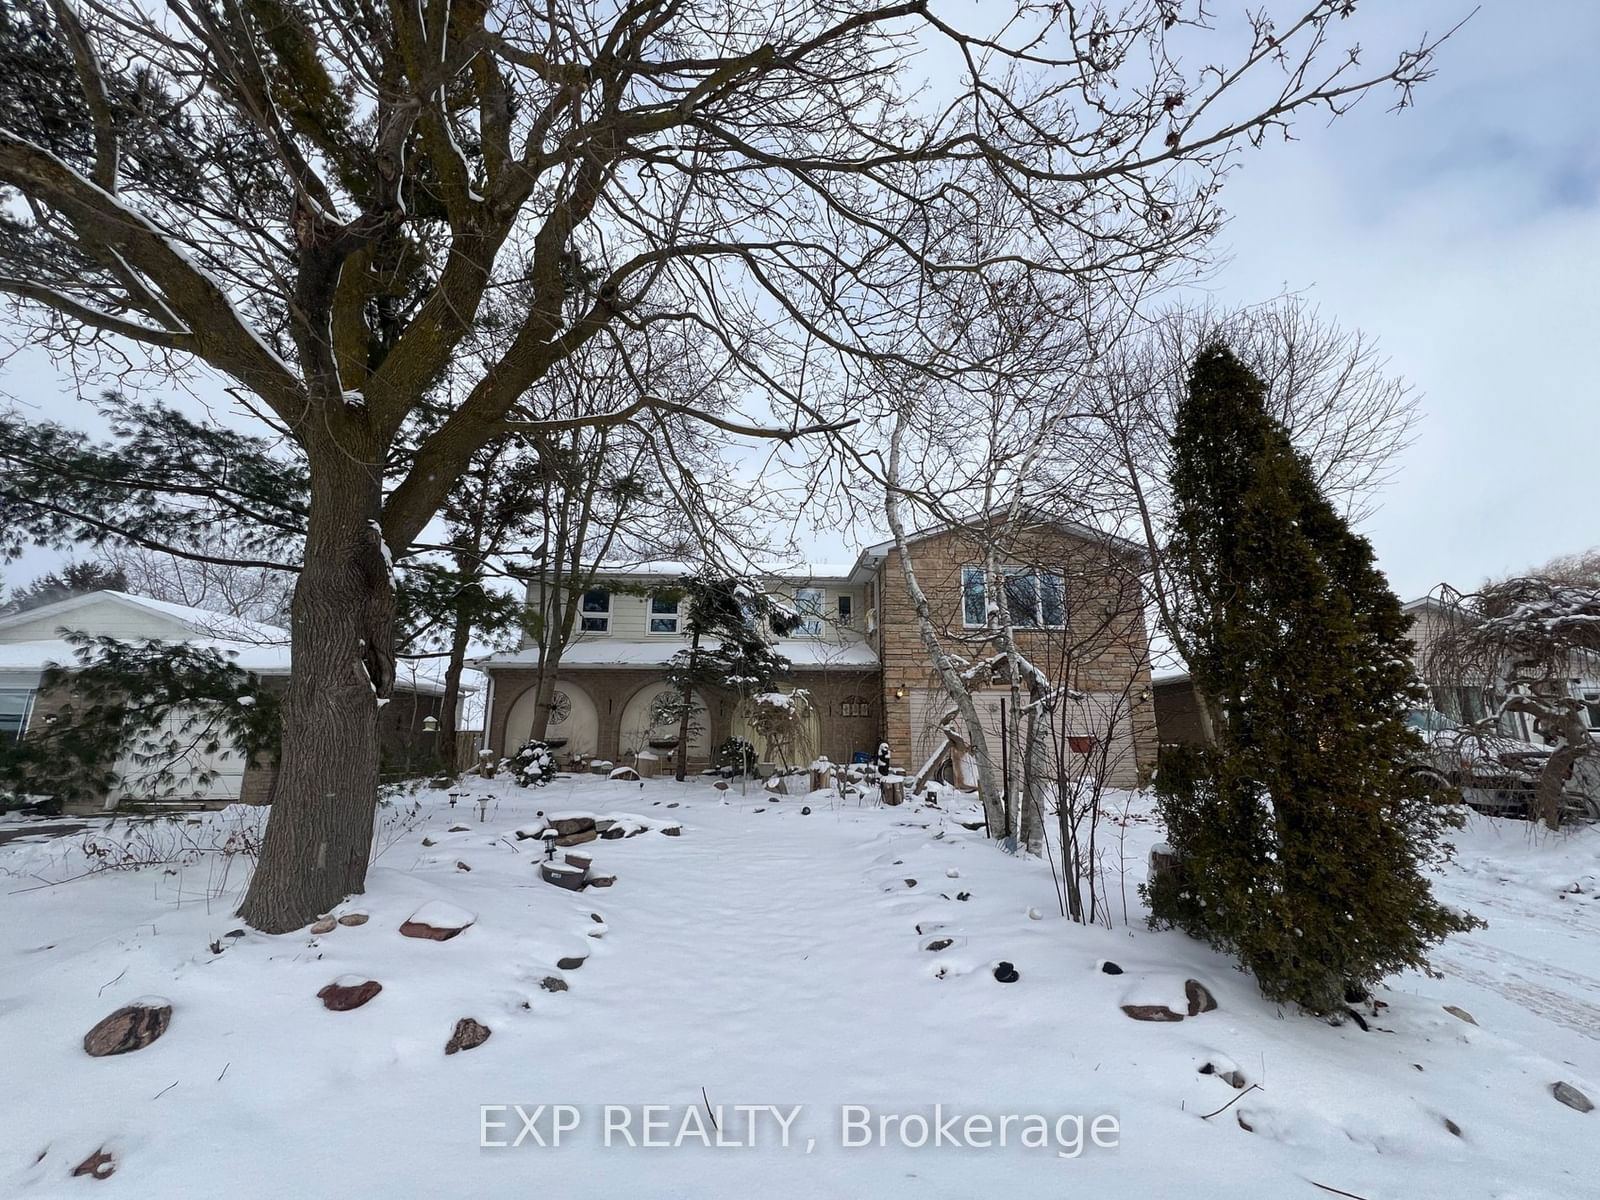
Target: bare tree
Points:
x,y
330,206
209,580
1522,639
1329,386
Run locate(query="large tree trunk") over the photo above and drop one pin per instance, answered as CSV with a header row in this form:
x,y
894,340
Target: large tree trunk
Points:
x,y
451,704
319,832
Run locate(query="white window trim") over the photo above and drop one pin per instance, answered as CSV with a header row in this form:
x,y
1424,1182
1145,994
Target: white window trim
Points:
x,y
30,697
585,615
1038,596
651,616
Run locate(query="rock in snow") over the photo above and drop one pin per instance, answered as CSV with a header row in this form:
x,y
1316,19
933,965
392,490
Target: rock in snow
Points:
x,y
99,1165
437,921
347,992
1459,1014
355,918
468,1035
128,1029
1571,1097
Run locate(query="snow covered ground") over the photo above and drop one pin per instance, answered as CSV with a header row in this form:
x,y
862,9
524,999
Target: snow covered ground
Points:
x,y
767,956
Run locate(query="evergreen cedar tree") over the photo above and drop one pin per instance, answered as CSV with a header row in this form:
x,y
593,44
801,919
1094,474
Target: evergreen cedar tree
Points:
x,y
725,618
1303,831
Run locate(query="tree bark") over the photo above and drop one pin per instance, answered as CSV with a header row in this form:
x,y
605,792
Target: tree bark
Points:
x,y
446,741
319,833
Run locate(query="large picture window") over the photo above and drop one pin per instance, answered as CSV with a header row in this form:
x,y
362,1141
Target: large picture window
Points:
x,y
1036,599
594,611
15,704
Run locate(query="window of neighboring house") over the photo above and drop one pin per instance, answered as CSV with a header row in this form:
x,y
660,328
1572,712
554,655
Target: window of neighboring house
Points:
x,y
1591,703
15,704
595,611
846,615
665,612
808,603
1034,598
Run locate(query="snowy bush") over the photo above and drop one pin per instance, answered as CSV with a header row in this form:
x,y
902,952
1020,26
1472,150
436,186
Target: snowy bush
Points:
x,y
737,753
532,766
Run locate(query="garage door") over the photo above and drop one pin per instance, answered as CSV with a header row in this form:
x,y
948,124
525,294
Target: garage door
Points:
x,y
175,764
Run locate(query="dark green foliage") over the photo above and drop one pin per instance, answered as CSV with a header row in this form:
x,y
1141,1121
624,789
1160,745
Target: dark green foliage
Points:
x,y
533,765
737,754
75,579
1304,831
157,701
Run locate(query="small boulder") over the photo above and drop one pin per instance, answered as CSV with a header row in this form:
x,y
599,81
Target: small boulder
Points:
x,y
357,918
234,933
553,983
128,1029
326,925
458,829
571,962
672,830
1151,1012
99,1165
437,921
597,918
1199,996
1005,972
468,1035
911,883
579,838
1110,968
601,880
348,992
461,866
937,944
575,823
963,895
427,841
615,833
1460,1014
1571,1097
805,810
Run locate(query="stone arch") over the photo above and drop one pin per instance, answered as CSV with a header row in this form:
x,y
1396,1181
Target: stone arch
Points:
x,y
579,720
635,730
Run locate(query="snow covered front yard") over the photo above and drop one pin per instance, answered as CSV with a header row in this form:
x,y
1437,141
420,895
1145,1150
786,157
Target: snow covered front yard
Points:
x,y
843,960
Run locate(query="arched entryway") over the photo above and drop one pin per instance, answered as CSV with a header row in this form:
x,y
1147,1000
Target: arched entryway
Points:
x,y
574,720
639,725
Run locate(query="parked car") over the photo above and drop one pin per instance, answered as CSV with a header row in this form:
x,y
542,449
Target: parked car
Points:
x,y
1495,774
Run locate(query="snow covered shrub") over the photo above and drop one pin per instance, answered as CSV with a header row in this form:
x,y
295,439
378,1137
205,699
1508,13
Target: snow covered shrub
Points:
x,y
1303,832
737,753
532,766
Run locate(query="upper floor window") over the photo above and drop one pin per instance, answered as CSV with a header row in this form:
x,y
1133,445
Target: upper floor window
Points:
x,y
665,614
14,706
808,603
594,609
846,613
1035,599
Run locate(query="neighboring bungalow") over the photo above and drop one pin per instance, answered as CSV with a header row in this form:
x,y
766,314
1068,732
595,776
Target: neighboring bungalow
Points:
x,y
859,654
33,640
1462,700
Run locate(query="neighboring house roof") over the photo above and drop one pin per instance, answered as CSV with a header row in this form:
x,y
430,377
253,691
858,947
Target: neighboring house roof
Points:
x,y
1029,517
794,572
807,654
252,645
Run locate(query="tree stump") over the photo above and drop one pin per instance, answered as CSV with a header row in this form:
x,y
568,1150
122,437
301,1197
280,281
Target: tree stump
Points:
x,y
892,790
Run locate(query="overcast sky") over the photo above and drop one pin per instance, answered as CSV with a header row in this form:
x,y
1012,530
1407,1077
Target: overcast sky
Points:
x,y
1465,234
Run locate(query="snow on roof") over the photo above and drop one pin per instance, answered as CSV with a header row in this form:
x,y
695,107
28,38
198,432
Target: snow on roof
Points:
x,y
670,570
804,653
251,645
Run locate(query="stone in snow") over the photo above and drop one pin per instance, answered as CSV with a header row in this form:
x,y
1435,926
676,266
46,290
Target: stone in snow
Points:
x,y
1571,1097
348,992
99,1165
1459,1014
130,1028
1107,967
326,925
1005,972
1199,996
355,918
571,962
438,921
468,1035
553,983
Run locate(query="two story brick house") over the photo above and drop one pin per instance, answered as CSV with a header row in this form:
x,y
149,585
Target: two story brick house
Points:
x,y
860,654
